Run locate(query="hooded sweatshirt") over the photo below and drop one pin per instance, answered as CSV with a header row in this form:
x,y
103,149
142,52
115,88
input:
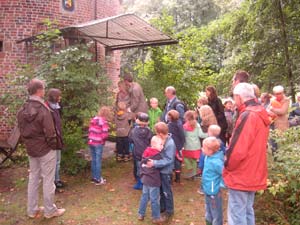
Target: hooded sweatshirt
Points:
x,y
141,137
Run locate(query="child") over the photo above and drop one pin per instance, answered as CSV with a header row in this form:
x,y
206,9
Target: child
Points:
x,y
177,134
154,113
192,145
207,117
151,181
140,135
228,110
122,121
213,131
212,181
166,166
98,133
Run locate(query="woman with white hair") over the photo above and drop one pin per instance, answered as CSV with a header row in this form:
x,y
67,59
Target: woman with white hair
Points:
x,y
278,109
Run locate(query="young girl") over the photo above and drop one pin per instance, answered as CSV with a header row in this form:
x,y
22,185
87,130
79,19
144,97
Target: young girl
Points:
x,y
98,133
177,134
192,145
207,117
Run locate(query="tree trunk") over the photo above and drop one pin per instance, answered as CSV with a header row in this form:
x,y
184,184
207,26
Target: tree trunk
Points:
x,y
288,62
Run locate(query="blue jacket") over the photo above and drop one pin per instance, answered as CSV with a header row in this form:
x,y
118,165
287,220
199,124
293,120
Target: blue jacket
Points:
x,y
212,179
166,164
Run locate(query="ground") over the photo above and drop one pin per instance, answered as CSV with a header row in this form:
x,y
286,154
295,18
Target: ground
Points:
x,y
113,203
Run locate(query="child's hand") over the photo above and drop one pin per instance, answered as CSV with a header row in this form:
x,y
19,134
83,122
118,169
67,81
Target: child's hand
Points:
x,y
150,163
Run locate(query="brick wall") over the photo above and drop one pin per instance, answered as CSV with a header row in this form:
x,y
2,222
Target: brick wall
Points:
x,y
22,18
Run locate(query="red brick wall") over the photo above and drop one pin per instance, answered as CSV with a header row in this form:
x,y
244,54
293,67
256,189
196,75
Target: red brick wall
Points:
x,y
20,19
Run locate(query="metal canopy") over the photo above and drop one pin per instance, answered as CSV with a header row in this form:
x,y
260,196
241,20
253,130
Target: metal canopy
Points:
x,y
118,32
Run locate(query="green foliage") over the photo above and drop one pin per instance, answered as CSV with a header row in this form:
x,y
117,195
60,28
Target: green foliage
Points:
x,y
284,174
73,140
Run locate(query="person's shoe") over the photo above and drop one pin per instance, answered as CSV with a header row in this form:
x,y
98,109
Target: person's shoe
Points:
x,y
200,191
93,180
37,213
166,216
58,212
141,218
138,185
161,220
119,158
102,181
59,184
127,158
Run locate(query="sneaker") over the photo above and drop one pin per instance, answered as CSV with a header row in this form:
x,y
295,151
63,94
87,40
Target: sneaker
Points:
x,y
58,212
102,181
59,184
93,180
141,218
161,220
37,213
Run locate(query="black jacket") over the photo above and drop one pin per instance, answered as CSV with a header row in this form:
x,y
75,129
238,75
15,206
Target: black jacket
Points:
x,y
141,137
177,134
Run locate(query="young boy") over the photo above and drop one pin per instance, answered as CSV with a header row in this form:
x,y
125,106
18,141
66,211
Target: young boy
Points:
x,y
140,135
151,181
212,181
154,113
166,166
122,118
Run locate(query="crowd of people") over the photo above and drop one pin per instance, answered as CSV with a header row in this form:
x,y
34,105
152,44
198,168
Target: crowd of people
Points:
x,y
223,142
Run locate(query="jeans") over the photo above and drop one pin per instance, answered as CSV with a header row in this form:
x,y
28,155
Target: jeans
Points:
x,y
213,209
57,169
151,193
240,207
96,153
42,168
166,194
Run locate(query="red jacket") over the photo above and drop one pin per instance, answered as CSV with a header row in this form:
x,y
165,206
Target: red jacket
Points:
x,y
246,165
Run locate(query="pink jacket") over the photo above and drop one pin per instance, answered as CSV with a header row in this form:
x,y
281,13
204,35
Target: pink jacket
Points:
x,y
98,131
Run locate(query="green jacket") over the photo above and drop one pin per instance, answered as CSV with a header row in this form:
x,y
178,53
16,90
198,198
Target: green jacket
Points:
x,y
154,115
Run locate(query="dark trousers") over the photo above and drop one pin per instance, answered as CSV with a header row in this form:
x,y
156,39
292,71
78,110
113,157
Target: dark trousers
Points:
x,y
122,146
166,194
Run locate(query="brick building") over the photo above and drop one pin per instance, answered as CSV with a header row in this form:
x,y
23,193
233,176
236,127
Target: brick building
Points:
x,y
22,18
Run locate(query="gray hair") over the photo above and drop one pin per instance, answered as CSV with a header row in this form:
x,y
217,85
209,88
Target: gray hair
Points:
x,y
171,89
245,90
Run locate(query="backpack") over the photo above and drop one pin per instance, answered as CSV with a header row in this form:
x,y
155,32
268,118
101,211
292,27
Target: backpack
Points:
x,y
178,102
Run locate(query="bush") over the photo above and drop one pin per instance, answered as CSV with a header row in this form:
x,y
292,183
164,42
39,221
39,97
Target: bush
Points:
x,y
74,141
284,184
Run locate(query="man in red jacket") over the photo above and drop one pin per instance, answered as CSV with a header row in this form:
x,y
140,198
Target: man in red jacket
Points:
x,y
245,170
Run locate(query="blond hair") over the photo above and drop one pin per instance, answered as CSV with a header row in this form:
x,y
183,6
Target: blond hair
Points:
x,y
105,111
207,116
212,143
214,130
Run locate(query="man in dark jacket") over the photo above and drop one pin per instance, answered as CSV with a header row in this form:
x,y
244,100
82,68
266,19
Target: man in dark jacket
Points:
x,y
39,136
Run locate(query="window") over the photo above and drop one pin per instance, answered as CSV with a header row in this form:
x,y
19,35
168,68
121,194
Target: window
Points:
x,y
1,46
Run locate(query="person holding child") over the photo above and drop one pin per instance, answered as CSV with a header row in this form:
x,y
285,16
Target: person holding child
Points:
x,y
98,133
212,181
122,121
192,144
166,166
154,113
140,135
151,181
176,131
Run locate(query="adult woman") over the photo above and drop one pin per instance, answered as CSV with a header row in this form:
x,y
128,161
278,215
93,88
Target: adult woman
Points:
x,y
216,104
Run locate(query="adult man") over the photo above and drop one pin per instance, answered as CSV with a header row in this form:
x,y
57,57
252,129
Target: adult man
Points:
x,y
172,103
38,134
245,170
240,76
136,94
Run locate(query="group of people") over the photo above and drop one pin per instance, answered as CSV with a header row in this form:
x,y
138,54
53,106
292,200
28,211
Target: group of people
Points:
x,y
223,144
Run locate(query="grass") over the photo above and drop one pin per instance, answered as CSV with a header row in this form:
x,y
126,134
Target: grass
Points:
x,y
114,203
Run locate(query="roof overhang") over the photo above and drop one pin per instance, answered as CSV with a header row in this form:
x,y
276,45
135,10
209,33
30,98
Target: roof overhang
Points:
x,y
117,32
